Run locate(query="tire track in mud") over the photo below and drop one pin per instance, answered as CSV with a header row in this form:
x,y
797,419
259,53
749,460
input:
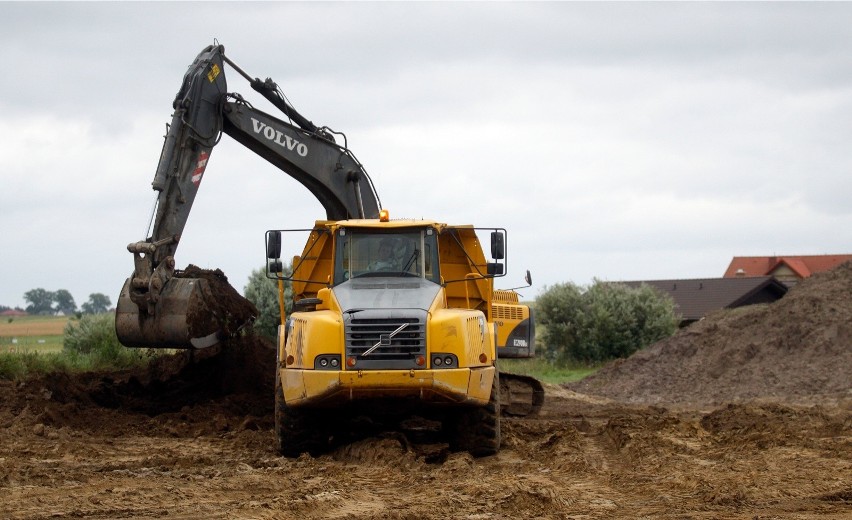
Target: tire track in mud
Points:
x,y
582,457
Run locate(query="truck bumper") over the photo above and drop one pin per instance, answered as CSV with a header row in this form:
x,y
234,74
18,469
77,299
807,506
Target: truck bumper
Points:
x,y
470,386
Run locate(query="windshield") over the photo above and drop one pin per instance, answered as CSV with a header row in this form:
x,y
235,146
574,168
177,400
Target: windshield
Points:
x,y
395,253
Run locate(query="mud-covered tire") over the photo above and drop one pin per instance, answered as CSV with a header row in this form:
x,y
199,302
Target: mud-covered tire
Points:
x,y
296,431
477,430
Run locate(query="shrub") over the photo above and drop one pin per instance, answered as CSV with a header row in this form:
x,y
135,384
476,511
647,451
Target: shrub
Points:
x,y
12,366
602,322
560,310
91,343
21,365
263,293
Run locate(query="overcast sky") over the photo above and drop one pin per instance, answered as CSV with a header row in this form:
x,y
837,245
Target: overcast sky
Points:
x,y
621,141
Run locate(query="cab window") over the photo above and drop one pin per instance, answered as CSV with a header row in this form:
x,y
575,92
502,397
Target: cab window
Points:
x,y
399,253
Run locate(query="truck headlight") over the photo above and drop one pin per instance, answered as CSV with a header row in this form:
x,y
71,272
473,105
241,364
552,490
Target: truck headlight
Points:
x,y
441,360
327,362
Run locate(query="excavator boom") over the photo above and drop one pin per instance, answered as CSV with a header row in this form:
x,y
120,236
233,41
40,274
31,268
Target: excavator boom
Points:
x,y
161,307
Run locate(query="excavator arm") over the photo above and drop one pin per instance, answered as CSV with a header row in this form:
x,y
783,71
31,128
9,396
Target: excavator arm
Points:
x,y
158,309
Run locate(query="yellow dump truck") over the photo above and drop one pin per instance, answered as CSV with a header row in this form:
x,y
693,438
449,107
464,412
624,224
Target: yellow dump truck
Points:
x,y
391,315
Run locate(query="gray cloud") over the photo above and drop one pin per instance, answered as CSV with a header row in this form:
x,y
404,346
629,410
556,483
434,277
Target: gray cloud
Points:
x,y
614,140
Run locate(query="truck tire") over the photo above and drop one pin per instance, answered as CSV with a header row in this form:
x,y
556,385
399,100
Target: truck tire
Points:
x,y
477,430
296,431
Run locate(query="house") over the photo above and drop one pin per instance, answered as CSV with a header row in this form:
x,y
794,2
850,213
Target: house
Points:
x,y
696,298
786,269
13,313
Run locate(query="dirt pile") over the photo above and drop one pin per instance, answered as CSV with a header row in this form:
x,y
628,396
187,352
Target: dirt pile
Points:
x,y
226,387
797,350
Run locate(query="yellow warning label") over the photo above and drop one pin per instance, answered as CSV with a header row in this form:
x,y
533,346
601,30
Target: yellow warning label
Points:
x,y
214,71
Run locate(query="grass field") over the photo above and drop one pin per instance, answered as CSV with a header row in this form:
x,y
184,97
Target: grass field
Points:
x,y
546,372
40,345
32,333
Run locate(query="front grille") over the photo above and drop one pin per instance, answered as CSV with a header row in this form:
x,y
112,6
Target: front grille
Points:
x,y
399,351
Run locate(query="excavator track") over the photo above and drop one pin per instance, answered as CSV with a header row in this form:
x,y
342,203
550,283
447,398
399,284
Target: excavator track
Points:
x,y
520,395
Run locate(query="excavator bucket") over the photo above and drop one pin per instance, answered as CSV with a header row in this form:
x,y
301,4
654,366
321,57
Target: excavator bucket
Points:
x,y
196,309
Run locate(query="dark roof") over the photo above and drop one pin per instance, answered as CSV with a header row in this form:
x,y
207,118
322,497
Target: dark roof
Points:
x,y
696,298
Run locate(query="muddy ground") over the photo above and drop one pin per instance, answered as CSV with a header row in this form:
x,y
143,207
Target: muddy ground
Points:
x,y
748,415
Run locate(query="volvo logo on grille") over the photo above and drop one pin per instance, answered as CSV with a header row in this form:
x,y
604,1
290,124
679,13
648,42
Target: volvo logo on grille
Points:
x,y
384,340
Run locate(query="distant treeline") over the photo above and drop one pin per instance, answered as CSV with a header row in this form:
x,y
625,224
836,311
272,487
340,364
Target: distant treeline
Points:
x,y
43,302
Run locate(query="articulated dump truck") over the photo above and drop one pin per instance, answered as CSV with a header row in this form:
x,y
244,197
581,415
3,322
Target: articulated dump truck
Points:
x,y
391,316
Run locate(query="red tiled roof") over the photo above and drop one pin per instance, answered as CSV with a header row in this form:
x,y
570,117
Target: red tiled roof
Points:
x,y
797,265
803,266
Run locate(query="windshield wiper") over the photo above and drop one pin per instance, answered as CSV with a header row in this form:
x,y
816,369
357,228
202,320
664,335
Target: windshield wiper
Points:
x,y
411,260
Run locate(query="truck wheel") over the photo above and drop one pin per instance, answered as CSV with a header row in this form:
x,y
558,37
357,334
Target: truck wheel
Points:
x,y
477,430
295,430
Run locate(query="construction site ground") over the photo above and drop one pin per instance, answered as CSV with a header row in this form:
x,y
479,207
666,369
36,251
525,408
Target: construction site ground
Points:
x,y
747,414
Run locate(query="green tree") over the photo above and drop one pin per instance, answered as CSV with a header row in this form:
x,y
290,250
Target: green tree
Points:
x,y
98,304
263,293
604,321
64,302
655,313
560,308
40,301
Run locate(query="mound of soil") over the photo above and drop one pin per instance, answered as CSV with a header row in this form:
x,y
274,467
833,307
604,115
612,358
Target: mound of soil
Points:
x,y
797,350
226,387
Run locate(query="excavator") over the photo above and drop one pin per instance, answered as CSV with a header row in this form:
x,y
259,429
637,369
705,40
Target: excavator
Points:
x,y
390,315
514,324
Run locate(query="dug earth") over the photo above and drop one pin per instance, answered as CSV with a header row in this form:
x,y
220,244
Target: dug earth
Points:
x,y
747,414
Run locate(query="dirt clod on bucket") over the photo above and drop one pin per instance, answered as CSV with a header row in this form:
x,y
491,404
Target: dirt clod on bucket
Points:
x,y
223,308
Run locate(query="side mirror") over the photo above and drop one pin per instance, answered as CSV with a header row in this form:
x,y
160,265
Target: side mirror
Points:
x,y
495,269
273,244
528,278
498,245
